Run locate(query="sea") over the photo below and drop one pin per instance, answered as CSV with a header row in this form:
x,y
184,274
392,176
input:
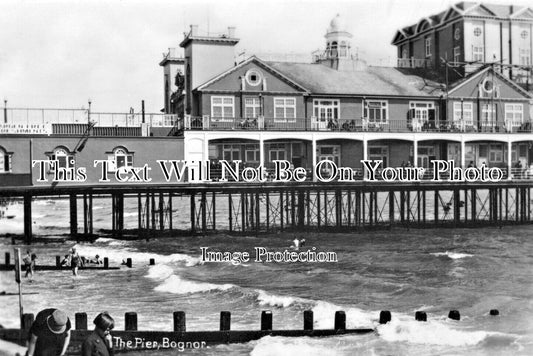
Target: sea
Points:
x,y
399,270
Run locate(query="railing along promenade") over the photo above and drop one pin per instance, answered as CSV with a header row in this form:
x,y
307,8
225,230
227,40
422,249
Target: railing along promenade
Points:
x,y
252,208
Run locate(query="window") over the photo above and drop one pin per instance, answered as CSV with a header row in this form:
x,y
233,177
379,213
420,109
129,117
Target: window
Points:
x,y
276,151
421,110
118,158
252,107
428,46
404,54
65,160
330,153
376,111
456,55
343,49
488,115
478,53
222,107
477,31
379,153
457,34
325,110
5,161
334,49
251,153
231,152
523,34
525,58
496,153
253,77
284,108
514,114
464,111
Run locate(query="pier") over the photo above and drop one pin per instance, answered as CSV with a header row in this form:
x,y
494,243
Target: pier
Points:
x,y
265,208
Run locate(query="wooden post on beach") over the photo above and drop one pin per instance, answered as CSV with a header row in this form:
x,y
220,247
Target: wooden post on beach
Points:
x,y
179,321
340,320
130,321
225,321
308,320
266,320
81,321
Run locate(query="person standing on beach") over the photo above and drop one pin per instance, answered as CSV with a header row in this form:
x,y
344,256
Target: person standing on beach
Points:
x,y
49,334
30,268
27,264
100,341
75,261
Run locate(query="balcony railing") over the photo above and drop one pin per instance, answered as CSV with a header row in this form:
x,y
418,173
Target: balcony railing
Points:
x,y
414,63
349,125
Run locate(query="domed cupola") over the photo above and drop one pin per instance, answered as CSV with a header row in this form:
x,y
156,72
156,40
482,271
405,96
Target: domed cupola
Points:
x,y
338,39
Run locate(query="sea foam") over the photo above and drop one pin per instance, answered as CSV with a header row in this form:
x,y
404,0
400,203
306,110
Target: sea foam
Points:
x,y
433,332
177,285
452,255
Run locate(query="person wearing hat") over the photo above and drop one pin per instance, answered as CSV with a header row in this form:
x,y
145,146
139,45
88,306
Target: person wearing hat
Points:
x,y
100,342
49,334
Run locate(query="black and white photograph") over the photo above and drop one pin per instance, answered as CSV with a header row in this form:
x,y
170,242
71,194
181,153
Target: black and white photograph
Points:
x,y
298,177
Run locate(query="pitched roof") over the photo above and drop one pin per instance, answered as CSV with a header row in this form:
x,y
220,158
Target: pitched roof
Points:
x,y
384,81
259,62
456,85
465,8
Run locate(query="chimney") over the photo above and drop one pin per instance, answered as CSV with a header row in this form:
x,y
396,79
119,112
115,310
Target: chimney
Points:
x,y
511,9
194,30
231,32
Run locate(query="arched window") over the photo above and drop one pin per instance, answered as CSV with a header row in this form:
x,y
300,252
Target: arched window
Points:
x,y
64,158
118,158
5,160
343,49
334,49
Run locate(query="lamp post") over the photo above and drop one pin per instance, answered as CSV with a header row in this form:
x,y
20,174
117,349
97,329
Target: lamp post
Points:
x,y
5,110
89,113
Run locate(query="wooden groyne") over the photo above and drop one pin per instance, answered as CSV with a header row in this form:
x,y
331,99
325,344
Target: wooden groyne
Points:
x,y
180,339
131,339
258,208
8,266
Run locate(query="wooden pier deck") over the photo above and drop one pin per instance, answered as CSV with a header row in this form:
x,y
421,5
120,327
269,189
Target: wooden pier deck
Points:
x,y
257,208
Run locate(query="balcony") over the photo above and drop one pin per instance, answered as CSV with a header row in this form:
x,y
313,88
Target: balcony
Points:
x,y
414,63
207,123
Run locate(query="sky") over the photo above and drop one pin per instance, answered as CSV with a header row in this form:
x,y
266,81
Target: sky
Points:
x,y
60,54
